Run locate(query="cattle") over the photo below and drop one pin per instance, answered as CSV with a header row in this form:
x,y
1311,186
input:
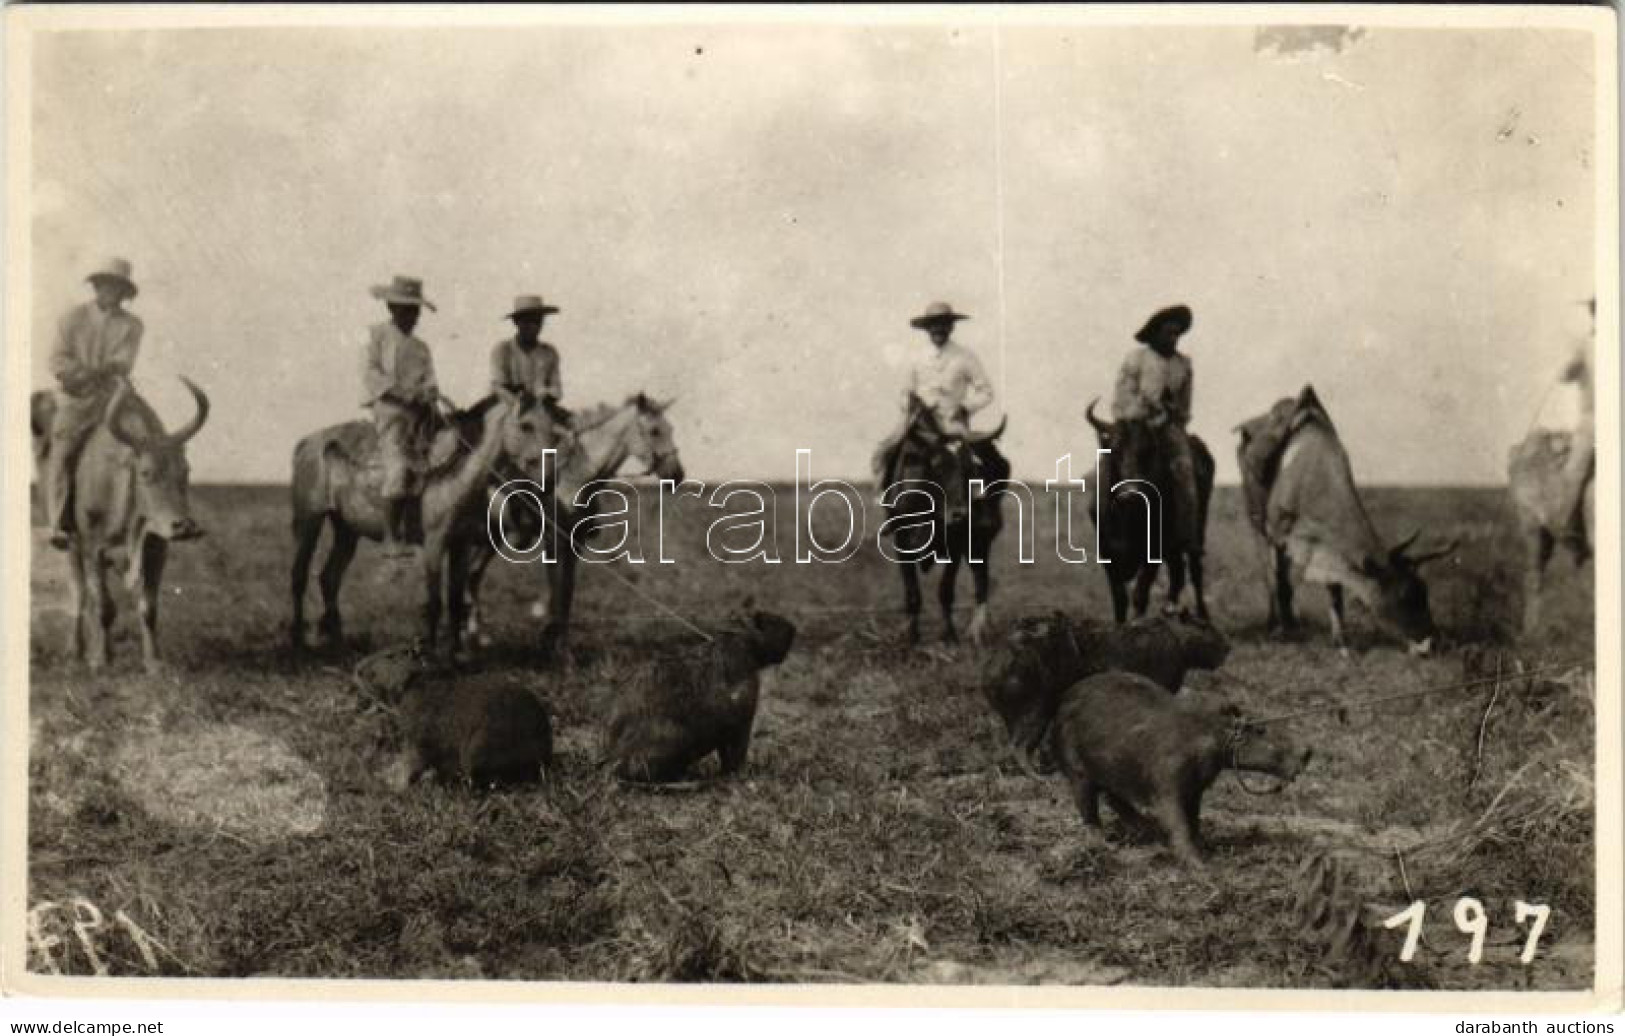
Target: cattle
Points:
x,y
1551,497
336,481
1137,534
1023,678
129,497
1153,754
954,526
1303,505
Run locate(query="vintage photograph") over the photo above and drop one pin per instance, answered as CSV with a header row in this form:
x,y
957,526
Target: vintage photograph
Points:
x,y
967,497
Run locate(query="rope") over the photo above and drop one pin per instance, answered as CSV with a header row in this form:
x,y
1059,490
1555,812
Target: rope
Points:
x,y
1426,691
669,612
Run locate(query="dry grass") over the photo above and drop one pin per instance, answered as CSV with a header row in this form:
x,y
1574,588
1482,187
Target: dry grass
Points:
x,y
232,809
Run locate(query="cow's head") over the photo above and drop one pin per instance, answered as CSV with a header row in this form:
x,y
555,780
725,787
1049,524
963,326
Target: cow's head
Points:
x,y
528,432
1401,604
159,463
1133,446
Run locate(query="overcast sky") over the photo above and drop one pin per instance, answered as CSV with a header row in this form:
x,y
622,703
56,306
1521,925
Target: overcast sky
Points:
x,y
748,216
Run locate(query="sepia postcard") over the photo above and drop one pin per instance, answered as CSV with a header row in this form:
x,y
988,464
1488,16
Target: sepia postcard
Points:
x,y
1072,506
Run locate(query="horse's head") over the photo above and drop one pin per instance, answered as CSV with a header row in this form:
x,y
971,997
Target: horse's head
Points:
x,y
651,441
528,432
1132,443
159,463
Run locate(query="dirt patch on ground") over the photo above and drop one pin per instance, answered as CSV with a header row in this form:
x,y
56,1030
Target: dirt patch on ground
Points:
x,y
223,777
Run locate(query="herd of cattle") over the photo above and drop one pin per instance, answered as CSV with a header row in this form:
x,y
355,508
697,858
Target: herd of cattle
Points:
x,y
1103,703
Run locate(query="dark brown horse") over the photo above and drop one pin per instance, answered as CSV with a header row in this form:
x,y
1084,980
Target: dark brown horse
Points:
x,y
1140,531
952,525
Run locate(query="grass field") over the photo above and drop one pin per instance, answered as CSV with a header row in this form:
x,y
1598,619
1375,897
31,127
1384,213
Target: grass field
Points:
x,y
226,818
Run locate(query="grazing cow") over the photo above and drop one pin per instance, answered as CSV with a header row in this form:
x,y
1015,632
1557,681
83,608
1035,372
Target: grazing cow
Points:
x,y
336,480
1023,678
957,528
605,437
128,494
1129,531
1302,503
678,709
1551,508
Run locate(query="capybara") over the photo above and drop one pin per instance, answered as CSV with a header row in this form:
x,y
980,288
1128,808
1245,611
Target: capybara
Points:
x,y
679,708
1043,655
475,730
1125,737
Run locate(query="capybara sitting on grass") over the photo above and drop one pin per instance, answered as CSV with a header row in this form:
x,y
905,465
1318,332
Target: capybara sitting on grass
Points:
x,y
1125,737
1042,656
475,730
678,709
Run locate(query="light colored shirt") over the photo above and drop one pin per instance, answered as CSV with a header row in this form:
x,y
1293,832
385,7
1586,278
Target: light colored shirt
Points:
x,y
397,363
951,380
535,369
1150,385
90,341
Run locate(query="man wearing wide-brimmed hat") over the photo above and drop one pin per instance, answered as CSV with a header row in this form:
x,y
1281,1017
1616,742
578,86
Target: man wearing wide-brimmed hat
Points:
x,y
525,363
950,382
95,350
398,383
1154,385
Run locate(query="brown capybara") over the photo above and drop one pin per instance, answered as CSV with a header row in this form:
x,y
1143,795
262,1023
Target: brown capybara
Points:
x,y
1150,752
679,708
483,732
1043,655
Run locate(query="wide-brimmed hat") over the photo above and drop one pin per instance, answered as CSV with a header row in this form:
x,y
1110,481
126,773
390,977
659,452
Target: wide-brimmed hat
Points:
x,y
1180,315
114,270
402,291
937,313
530,304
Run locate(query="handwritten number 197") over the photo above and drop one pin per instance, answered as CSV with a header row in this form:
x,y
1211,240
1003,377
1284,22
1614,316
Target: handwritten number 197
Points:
x,y
1470,918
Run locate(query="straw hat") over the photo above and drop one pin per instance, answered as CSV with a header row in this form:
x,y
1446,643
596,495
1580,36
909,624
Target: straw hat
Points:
x,y
1180,315
530,304
937,313
402,291
114,270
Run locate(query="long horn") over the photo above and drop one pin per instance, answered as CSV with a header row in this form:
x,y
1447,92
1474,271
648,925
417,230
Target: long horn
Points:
x,y
191,427
1101,427
665,404
115,427
1434,555
1400,547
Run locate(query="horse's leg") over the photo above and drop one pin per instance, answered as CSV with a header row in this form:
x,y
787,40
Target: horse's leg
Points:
x,y
1283,590
79,592
911,599
1197,563
457,558
1176,581
1119,589
434,575
154,552
563,581
307,533
945,596
339,556
978,623
1542,544
98,606
479,558
1335,592
1143,582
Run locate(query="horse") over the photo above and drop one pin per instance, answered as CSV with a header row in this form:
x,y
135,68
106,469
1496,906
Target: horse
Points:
x,y
962,525
336,481
1125,531
128,494
605,437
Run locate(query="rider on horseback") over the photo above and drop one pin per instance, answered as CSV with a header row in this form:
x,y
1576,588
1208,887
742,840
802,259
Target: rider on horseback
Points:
x,y
524,364
950,383
96,347
1154,386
